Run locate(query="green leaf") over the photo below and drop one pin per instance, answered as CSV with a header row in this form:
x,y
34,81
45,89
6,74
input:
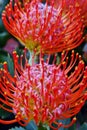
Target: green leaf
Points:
x,y
73,127
44,127
3,3
1,65
10,65
5,57
2,28
31,126
4,114
4,36
17,128
83,127
19,51
58,59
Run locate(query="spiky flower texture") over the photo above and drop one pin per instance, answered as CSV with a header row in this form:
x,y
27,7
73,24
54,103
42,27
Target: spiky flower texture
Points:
x,y
44,26
44,92
82,4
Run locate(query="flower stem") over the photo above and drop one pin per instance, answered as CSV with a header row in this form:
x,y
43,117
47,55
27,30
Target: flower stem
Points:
x,y
33,58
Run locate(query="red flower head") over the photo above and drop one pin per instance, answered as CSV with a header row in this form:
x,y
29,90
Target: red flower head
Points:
x,y
82,4
44,92
44,26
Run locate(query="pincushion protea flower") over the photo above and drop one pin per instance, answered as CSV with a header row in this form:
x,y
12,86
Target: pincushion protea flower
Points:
x,y
82,4
44,92
44,26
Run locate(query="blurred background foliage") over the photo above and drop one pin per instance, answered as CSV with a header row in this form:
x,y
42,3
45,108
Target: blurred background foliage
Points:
x,y
7,45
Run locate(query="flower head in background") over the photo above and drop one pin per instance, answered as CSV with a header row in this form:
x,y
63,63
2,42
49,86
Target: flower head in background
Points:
x,y
44,26
44,92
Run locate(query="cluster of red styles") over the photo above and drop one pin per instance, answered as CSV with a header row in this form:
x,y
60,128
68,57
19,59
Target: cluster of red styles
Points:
x,y
40,90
